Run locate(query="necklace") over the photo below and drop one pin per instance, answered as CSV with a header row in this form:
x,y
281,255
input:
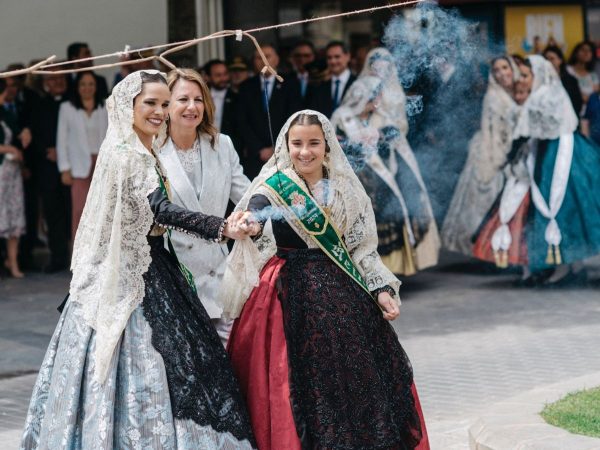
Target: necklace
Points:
x,y
324,189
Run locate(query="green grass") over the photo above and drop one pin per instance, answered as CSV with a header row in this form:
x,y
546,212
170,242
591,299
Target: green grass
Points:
x,y
578,413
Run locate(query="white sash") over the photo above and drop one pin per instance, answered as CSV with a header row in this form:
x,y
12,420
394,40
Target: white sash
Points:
x,y
558,189
512,196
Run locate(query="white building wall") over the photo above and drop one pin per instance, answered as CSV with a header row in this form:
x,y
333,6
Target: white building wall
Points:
x,y
33,29
209,19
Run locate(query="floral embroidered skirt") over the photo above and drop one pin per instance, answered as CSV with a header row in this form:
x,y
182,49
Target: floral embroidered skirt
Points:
x,y
319,366
517,252
12,202
170,384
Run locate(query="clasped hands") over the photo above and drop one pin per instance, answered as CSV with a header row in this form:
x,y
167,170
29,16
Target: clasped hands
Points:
x,y
241,225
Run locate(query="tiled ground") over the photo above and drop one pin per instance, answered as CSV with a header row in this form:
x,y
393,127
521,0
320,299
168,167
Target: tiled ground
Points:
x,y
473,340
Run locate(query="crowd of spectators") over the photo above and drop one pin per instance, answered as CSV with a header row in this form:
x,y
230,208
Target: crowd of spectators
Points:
x,y
52,125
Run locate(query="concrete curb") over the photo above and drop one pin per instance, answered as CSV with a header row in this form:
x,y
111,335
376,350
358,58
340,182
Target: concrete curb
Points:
x,y
515,423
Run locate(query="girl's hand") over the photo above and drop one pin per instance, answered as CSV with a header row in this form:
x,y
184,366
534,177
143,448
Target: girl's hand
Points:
x,y
249,224
391,309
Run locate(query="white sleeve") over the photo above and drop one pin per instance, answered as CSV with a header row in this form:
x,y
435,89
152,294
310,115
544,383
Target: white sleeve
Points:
x,y
62,137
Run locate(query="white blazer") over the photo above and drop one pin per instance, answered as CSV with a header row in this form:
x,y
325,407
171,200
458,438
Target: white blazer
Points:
x,y
223,179
72,143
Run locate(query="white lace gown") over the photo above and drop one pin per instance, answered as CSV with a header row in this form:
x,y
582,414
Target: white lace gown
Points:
x,y
482,179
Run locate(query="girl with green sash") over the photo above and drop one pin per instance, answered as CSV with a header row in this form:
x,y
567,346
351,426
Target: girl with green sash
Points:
x,y
318,362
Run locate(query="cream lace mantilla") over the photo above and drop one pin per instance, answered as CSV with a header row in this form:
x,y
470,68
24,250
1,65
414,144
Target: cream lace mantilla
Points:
x,y
111,253
190,157
548,112
351,211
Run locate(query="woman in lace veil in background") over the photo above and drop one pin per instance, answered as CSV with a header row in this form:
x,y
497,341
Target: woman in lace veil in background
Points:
x,y
318,364
134,361
552,189
205,173
482,178
372,125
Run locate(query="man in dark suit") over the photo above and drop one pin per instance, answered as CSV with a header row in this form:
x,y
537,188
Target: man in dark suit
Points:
x,y
303,54
282,98
79,50
55,196
328,95
224,99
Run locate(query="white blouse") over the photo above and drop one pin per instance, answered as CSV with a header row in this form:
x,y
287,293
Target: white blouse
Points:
x,y
191,161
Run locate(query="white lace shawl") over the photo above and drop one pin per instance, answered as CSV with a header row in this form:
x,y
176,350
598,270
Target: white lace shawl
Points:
x,y
492,143
381,85
548,112
111,253
351,212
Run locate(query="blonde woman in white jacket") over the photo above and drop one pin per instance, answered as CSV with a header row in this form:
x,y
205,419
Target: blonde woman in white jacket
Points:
x,y
204,173
82,124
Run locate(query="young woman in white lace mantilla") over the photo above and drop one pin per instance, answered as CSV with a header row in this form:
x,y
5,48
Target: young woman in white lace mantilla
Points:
x,y
318,362
555,197
482,178
134,361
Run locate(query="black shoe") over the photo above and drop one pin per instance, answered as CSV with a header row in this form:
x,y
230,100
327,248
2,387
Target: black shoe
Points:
x,y
536,279
54,267
571,279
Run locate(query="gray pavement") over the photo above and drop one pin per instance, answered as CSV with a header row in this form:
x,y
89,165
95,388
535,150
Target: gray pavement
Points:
x,y
472,337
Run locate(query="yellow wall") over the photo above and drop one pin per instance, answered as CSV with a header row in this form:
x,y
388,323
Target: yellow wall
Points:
x,y
515,28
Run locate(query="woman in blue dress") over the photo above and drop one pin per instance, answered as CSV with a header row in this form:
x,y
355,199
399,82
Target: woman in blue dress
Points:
x,y
560,167
134,361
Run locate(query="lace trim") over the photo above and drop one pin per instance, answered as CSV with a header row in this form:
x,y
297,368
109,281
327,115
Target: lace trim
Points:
x,y
390,290
218,239
190,157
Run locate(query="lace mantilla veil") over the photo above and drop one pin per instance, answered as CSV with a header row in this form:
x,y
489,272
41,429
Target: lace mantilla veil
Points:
x,y
111,252
372,82
351,212
491,144
548,112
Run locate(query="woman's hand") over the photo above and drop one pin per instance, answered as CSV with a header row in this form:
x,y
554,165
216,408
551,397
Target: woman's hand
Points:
x,y
370,107
66,178
25,137
391,309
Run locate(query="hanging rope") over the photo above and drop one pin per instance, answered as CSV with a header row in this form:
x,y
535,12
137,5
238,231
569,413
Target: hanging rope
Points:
x,y
43,67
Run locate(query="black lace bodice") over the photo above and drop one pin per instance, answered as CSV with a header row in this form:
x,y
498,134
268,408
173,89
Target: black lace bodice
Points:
x,y
171,216
285,236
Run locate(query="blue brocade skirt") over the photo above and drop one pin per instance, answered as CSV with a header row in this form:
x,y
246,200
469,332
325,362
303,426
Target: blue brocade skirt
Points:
x,y
169,386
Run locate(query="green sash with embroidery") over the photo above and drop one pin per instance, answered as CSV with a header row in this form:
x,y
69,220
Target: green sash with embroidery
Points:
x,y
315,222
184,270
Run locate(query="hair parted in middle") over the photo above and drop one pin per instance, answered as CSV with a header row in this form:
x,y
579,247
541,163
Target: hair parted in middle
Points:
x,y
207,124
306,119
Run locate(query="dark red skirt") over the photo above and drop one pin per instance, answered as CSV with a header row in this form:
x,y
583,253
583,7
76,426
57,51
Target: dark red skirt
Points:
x,y
517,253
281,415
